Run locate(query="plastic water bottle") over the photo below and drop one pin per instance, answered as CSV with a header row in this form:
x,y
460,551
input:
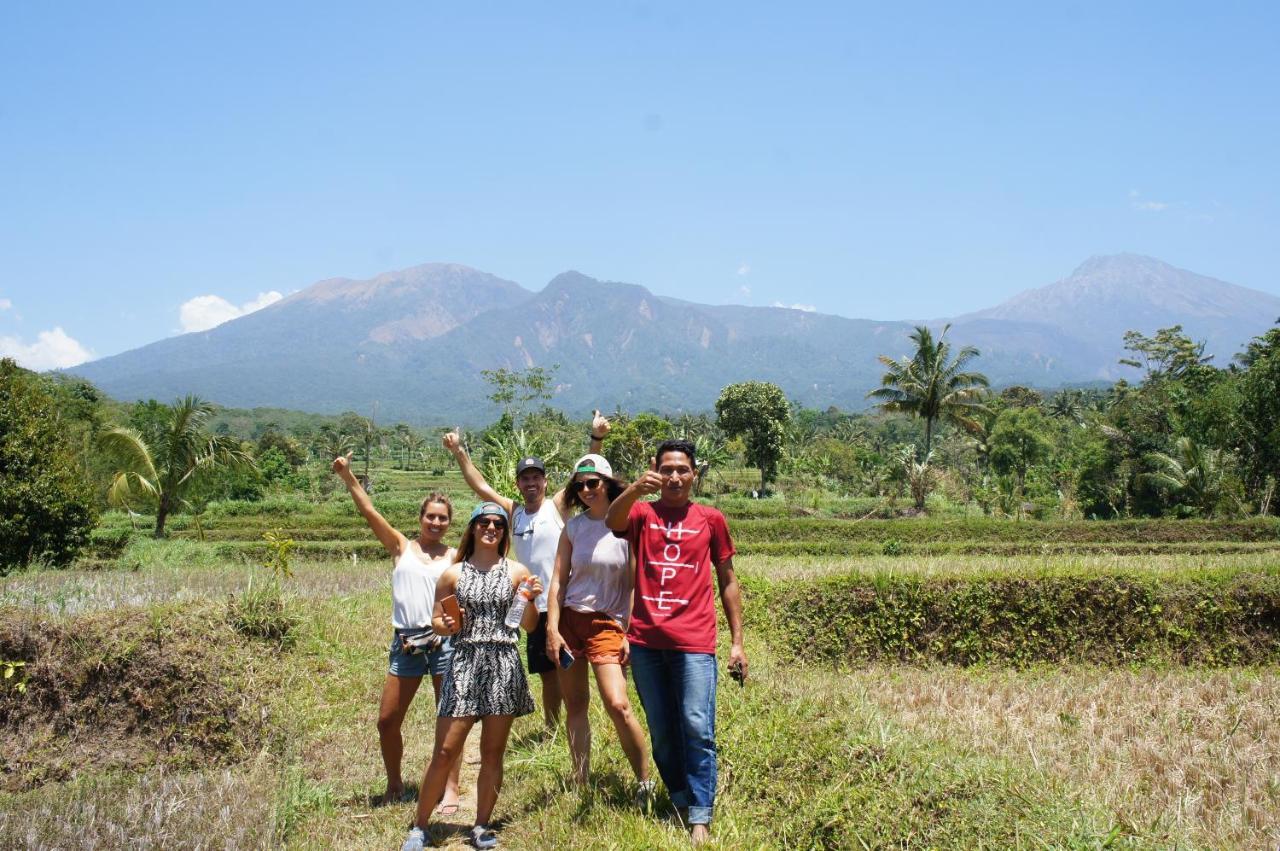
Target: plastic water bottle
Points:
x,y
518,604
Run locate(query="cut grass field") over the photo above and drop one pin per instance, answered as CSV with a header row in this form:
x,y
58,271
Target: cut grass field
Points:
x,y
871,756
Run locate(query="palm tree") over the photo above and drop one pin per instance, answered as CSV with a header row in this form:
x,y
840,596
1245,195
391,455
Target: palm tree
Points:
x,y
1194,474
331,443
180,453
410,442
931,384
1068,405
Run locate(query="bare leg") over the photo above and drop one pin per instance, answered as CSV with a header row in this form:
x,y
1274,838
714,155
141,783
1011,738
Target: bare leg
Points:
x,y
613,691
494,730
577,699
551,698
700,834
397,694
451,735
451,787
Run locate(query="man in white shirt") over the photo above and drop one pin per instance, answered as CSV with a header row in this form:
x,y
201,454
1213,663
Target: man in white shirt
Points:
x,y
536,524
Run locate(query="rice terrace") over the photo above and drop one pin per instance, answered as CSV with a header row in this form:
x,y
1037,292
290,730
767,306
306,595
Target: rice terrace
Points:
x,y
640,425
946,677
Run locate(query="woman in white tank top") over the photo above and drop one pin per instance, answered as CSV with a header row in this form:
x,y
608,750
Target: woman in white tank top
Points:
x,y
419,564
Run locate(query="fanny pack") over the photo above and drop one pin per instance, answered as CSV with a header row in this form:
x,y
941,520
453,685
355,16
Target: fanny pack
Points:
x,y
415,641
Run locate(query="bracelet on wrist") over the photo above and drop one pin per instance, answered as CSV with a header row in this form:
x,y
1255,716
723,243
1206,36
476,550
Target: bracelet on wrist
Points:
x,y
599,437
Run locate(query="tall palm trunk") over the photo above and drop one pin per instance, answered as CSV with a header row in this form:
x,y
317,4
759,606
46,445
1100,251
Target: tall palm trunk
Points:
x,y
162,514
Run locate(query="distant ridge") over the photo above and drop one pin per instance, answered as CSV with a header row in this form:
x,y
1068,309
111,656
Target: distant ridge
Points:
x,y
413,341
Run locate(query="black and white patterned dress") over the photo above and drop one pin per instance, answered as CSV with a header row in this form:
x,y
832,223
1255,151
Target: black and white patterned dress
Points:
x,y
487,677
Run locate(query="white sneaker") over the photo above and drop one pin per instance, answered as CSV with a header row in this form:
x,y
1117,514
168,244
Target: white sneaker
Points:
x,y
416,841
483,837
644,794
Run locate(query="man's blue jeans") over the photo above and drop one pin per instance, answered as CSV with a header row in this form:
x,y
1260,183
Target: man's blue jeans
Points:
x,y
678,693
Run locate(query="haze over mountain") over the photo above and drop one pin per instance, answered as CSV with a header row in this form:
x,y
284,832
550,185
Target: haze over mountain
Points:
x,y
413,342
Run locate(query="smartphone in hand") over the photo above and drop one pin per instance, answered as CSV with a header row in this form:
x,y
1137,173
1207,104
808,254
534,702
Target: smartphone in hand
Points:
x,y
735,673
566,658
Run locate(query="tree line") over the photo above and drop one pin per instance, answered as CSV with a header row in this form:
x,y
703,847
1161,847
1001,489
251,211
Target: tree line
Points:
x,y
1185,438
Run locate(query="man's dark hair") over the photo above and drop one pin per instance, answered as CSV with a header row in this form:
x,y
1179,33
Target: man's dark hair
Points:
x,y
676,445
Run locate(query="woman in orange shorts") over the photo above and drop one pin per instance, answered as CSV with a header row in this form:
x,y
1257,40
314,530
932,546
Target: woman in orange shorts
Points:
x,y
588,609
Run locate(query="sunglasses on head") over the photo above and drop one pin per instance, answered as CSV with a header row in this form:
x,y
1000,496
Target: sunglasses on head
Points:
x,y
486,522
587,484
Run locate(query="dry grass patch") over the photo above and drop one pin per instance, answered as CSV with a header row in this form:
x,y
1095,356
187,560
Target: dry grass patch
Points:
x,y
1181,757
157,809
127,690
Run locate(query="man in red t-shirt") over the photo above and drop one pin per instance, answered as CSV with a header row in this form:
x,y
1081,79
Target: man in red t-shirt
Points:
x,y
677,544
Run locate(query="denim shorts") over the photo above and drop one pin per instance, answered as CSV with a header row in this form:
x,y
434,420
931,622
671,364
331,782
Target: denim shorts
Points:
x,y
403,664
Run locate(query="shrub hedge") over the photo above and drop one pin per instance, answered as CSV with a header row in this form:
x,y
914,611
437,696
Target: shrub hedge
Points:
x,y
1220,617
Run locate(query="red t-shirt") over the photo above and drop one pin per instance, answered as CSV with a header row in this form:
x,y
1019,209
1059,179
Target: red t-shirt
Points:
x,y
675,550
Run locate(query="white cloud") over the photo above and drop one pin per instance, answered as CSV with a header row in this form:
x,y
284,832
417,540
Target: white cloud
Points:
x,y
209,311
744,269
1137,202
807,308
5,304
744,291
51,350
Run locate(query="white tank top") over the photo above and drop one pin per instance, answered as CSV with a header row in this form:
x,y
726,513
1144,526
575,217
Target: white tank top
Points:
x,y
600,577
413,587
536,537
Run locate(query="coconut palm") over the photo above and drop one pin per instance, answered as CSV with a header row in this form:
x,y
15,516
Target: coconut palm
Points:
x,y
1194,474
931,384
1068,405
179,454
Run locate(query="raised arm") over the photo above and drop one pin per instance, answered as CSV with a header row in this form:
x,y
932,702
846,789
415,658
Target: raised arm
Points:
x,y
620,508
474,479
599,431
388,535
731,600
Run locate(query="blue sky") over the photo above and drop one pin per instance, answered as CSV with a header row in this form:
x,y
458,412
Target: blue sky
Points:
x,y
885,161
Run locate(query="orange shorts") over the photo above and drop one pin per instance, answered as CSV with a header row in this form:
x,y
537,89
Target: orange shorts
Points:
x,y
594,635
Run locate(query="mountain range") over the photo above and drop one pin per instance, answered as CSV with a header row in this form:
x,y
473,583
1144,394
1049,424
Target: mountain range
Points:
x,y
411,343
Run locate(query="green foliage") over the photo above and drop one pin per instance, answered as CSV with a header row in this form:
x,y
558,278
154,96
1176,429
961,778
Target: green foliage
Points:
x,y
758,412
1258,433
1169,355
631,442
13,675
1195,476
1209,617
261,610
46,507
159,464
931,384
1020,439
513,389
501,451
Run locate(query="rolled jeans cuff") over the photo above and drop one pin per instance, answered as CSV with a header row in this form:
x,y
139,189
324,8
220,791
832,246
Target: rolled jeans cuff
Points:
x,y
700,815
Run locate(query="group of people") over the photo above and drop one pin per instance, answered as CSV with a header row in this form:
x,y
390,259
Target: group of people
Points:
x,y
611,581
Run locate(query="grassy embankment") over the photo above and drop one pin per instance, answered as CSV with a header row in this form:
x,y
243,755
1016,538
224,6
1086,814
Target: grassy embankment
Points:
x,y
833,744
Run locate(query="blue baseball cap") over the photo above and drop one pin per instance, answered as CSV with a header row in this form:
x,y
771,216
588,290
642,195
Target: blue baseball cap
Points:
x,y
490,508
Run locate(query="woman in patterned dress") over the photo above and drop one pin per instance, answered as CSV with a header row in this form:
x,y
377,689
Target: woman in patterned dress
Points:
x,y
487,681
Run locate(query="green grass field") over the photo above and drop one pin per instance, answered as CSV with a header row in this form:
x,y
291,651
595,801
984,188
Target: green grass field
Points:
x,y
273,745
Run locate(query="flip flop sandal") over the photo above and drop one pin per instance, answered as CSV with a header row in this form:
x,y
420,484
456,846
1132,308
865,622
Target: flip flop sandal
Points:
x,y
448,809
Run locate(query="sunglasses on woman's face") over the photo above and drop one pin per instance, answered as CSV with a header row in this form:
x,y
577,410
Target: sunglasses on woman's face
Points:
x,y
488,522
587,484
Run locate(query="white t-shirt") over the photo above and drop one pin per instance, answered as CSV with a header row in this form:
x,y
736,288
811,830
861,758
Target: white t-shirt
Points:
x,y
600,578
413,587
536,537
